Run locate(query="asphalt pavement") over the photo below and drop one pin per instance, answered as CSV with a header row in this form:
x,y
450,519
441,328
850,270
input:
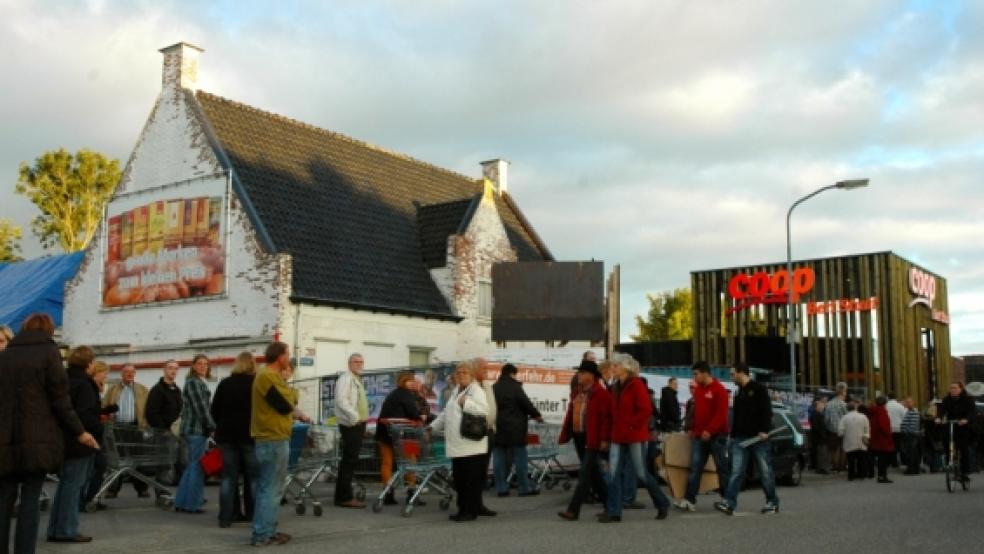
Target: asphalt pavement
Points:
x,y
823,514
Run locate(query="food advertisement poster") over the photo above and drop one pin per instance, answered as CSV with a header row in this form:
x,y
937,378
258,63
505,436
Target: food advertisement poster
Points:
x,y
165,245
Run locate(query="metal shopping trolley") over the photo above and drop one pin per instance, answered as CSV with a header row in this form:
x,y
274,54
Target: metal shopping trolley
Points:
x,y
130,449
542,450
418,455
315,454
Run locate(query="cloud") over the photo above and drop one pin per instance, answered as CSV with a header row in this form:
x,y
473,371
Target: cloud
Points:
x,y
664,136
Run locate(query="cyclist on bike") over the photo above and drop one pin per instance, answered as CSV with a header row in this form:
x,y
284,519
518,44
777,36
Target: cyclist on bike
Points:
x,y
959,407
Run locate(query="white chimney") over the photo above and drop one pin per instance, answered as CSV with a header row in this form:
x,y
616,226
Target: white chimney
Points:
x,y
497,171
180,66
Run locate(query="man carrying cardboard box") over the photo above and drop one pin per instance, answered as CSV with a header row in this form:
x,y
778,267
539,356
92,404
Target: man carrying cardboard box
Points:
x,y
709,431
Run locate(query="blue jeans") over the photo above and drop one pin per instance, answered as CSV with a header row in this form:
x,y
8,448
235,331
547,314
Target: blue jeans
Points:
x,y
622,456
64,519
739,464
271,457
28,515
630,487
191,489
519,462
237,459
717,446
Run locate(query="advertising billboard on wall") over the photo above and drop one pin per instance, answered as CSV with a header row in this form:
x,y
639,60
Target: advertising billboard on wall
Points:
x,y
166,244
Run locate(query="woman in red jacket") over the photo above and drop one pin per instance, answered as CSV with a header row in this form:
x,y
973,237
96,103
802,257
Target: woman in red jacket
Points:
x,y
630,434
880,444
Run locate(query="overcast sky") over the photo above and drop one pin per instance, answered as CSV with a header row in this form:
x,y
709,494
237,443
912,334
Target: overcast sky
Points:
x,y
683,129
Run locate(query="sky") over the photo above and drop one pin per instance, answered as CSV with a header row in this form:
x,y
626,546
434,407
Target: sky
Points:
x,y
664,136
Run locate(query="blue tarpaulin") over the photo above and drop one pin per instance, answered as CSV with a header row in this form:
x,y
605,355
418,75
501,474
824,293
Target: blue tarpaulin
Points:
x,y
35,286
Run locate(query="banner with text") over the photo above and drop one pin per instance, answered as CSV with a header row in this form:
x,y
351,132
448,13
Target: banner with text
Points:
x,y
165,245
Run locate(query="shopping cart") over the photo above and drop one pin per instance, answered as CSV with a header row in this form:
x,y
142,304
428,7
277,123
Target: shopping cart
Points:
x,y
542,450
417,454
315,454
130,449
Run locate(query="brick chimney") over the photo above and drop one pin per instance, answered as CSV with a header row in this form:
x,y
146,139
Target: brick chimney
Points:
x,y
497,171
180,66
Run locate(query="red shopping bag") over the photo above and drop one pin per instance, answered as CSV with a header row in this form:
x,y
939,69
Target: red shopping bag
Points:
x,y
211,462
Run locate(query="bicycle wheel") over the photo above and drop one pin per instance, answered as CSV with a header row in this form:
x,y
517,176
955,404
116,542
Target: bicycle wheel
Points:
x,y
950,472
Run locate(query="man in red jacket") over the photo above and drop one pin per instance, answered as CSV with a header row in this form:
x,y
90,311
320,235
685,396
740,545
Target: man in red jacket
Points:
x,y
589,423
709,433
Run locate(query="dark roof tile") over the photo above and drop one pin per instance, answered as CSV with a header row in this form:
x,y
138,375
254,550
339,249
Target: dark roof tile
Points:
x,y
348,211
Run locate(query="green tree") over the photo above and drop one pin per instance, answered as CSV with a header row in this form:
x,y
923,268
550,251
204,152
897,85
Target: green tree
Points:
x,y
670,317
71,192
10,236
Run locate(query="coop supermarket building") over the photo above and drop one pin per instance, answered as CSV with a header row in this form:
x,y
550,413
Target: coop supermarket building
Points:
x,y
876,321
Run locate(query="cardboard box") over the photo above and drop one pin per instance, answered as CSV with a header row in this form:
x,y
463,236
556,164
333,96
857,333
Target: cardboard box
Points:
x,y
675,462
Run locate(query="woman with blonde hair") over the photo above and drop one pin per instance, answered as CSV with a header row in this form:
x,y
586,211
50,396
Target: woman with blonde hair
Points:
x,y
5,335
468,454
231,409
196,425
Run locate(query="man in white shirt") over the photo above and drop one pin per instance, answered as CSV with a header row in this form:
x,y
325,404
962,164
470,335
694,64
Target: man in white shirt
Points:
x,y
351,412
896,411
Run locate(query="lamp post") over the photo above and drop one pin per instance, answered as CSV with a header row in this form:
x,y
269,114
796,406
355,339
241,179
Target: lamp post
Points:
x,y
790,312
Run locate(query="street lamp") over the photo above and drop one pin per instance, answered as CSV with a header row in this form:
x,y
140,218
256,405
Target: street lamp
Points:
x,y
790,312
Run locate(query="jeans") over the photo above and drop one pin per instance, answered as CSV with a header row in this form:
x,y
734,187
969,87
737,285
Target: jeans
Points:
x,y
500,467
271,458
589,477
911,452
351,445
237,459
598,489
717,446
739,464
191,488
622,456
28,514
64,519
96,477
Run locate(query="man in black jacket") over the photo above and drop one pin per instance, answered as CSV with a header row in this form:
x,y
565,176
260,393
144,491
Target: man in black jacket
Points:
x,y
164,400
162,410
513,410
669,407
750,437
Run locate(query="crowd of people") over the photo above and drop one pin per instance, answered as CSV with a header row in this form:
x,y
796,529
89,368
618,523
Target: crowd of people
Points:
x,y
864,439
54,417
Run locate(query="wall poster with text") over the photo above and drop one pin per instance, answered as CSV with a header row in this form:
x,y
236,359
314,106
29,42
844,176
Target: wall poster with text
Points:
x,y
166,244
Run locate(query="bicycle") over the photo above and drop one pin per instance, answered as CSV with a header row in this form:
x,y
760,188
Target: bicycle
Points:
x,y
952,468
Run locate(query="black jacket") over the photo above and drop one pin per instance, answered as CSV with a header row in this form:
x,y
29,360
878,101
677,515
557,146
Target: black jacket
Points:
x,y
232,405
753,411
35,407
669,409
400,403
163,405
85,400
960,407
513,410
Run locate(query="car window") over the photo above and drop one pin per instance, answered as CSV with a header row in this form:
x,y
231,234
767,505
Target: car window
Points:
x,y
778,421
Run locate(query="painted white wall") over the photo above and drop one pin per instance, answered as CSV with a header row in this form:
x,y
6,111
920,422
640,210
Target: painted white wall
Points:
x,y
172,149
330,335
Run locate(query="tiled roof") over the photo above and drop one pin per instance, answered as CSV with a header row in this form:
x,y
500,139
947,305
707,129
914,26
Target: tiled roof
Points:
x,y
437,221
347,211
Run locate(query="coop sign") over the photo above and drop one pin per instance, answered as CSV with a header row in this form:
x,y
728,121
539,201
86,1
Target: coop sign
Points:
x,y
749,290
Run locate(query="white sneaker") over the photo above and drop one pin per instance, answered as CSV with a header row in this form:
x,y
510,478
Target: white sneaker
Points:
x,y
685,505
